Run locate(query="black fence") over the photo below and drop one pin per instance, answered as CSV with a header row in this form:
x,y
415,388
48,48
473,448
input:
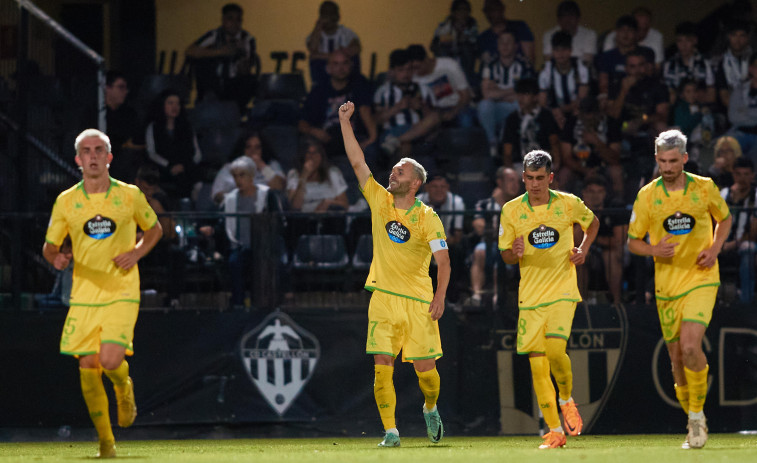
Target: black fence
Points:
x,y
298,258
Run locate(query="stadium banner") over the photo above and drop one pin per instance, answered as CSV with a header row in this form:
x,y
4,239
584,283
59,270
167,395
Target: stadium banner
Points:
x,y
203,367
621,373
308,368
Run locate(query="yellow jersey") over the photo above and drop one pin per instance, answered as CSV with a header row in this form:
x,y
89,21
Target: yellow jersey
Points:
x,y
546,273
401,250
687,215
102,226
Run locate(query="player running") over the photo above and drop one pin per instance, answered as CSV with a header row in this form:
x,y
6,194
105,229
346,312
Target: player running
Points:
x,y
101,216
677,210
536,232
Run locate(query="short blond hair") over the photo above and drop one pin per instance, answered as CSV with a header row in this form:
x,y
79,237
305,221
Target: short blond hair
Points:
x,y
419,170
91,133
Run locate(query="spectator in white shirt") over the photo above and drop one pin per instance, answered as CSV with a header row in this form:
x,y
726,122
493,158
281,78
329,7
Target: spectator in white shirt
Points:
x,y
584,39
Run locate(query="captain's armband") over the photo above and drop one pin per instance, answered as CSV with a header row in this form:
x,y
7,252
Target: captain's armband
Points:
x,y
438,245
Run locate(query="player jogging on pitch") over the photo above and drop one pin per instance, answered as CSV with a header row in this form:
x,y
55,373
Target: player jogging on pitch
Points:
x,y
536,232
404,311
101,216
677,210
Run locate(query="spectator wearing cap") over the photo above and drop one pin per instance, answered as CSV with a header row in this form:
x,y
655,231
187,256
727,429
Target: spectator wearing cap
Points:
x,y
584,40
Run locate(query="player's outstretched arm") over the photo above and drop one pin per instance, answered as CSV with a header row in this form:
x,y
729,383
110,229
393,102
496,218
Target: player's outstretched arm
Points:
x,y
354,152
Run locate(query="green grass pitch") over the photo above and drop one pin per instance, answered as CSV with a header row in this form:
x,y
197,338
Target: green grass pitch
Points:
x,y
584,449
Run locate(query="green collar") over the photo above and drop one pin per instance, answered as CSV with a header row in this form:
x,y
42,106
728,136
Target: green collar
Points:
x,y
417,203
688,180
552,195
113,183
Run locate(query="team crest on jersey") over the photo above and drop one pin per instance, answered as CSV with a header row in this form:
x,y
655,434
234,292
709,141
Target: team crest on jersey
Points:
x,y
397,232
679,223
99,227
280,357
543,237
597,346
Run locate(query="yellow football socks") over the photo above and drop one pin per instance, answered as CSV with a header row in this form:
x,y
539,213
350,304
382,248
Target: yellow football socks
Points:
x,y
545,391
682,394
386,398
697,388
97,401
119,375
430,384
559,363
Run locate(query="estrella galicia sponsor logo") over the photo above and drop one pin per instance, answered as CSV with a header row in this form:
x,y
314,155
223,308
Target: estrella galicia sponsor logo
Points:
x,y
543,237
280,358
397,232
99,227
679,223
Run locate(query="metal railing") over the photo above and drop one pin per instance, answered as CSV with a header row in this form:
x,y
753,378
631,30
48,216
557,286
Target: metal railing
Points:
x,y
191,265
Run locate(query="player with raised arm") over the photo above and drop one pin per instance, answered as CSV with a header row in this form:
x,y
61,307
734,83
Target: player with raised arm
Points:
x,y
677,210
101,215
404,310
536,232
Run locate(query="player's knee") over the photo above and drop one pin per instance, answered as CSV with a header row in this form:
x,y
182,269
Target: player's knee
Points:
x,y
690,349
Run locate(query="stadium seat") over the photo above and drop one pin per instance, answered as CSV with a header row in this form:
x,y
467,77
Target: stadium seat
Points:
x,y
474,179
210,114
363,256
274,86
455,143
321,252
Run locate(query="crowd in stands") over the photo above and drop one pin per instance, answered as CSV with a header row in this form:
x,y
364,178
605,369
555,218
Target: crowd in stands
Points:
x,y
596,102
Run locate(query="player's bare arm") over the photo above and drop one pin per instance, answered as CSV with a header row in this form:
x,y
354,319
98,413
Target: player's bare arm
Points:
x,y
578,255
709,256
57,259
662,249
436,309
354,152
513,255
149,239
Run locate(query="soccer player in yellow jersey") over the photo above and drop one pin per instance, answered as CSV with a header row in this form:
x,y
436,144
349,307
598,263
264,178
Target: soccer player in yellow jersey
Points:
x,y
404,309
677,210
101,216
536,232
